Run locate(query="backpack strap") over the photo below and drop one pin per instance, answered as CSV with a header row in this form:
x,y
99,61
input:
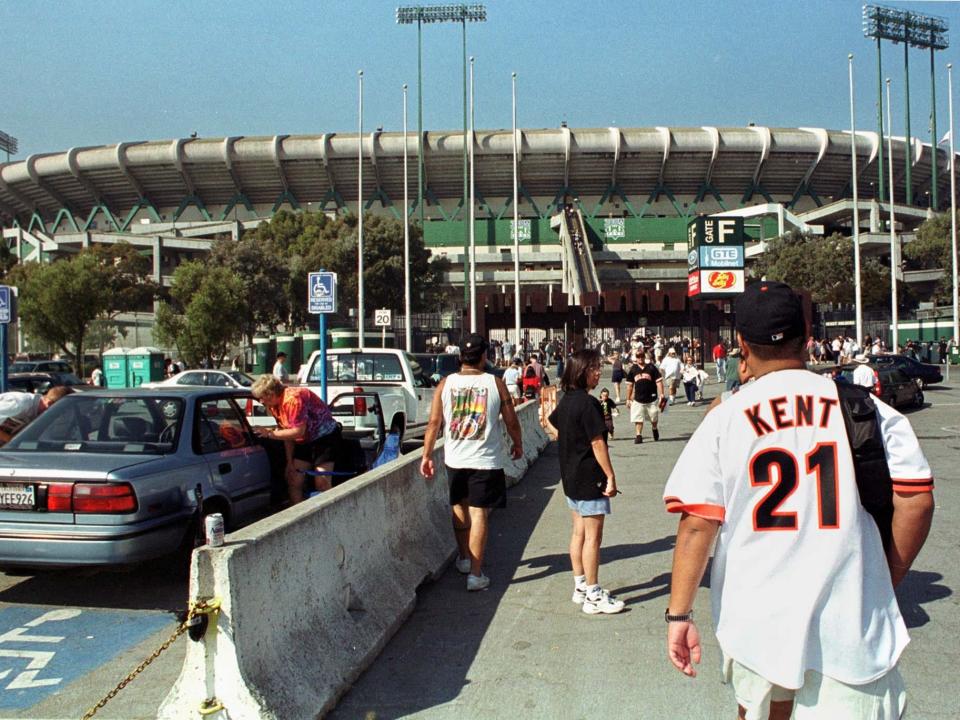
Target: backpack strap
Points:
x,y
874,484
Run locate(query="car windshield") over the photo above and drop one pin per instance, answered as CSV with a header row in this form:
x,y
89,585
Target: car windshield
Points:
x,y
22,367
242,378
134,425
360,367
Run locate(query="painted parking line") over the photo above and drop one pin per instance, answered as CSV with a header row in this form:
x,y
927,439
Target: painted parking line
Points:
x,y
41,651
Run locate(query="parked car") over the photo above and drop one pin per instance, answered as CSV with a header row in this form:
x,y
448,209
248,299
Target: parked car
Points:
x,y
114,477
890,384
34,366
41,382
925,373
209,378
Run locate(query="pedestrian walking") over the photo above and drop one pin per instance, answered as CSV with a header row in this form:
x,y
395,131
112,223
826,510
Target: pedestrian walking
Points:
x,y
670,368
609,408
618,374
511,378
801,588
720,358
588,478
690,375
644,395
863,374
280,371
469,406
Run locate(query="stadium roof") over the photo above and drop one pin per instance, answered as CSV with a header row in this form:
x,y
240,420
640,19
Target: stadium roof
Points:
x,y
217,174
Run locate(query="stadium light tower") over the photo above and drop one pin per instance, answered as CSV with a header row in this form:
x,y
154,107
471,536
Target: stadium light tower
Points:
x,y
462,14
8,144
913,30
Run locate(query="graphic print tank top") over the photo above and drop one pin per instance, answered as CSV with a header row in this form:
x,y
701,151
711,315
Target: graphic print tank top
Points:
x,y
471,418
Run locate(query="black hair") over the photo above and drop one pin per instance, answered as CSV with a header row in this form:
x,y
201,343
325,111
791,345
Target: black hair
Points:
x,y
575,371
786,350
473,356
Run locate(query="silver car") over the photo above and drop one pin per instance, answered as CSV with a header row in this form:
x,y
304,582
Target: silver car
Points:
x,y
112,477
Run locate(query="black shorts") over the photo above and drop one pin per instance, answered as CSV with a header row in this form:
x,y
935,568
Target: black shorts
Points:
x,y
479,488
319,451
617,377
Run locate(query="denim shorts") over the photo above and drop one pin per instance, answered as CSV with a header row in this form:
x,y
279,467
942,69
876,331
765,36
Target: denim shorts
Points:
x,y
586,508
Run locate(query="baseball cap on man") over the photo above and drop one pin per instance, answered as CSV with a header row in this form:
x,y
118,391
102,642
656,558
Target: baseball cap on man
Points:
x,y
769,313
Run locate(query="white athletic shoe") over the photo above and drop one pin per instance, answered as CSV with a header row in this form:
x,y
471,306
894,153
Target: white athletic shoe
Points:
x,y
463,565
579,595
477,582
604,603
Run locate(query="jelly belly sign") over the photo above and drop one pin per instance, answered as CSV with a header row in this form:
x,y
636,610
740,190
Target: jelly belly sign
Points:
x,y
715,257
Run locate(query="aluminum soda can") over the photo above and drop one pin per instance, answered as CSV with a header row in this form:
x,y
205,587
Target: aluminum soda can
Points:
x,y
213,525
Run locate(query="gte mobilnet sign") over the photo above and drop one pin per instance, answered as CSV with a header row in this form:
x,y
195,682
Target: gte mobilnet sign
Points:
x,y
715,257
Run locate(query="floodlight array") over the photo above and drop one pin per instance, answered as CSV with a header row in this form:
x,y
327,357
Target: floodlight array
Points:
x,y
8,144
441,13
915,29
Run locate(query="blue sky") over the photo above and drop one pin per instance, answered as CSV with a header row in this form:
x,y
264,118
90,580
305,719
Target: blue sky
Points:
x,y
91,72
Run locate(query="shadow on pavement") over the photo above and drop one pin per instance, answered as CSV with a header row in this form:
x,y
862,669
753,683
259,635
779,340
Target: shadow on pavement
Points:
x,y
560,562
426,663
918,588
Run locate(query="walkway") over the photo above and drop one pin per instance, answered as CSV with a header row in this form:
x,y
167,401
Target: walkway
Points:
x,y
523,649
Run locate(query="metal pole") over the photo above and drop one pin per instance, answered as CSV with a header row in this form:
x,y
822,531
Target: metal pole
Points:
x,y
420,121
880,176
516,222
906,90
406,233
858,299
3,359
933,137
953,212
473,239
323,356
466,191
894,325
360,217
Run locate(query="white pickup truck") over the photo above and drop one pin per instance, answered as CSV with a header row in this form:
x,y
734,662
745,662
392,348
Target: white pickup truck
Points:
x,y
394,375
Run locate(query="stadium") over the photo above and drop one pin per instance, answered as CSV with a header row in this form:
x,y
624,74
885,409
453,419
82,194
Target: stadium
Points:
x,y
634,189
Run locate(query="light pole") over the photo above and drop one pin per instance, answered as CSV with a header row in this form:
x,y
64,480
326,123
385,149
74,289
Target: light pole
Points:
x,y
360,216
893,234
858,299
516,223
473,240
406,232
953,212
462,14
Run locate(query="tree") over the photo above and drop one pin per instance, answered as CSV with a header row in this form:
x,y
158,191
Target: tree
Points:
x,y
205,314
931,251
60,301
824,268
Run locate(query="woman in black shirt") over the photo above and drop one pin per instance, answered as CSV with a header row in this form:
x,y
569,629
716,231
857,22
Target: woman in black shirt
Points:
x,y
587,475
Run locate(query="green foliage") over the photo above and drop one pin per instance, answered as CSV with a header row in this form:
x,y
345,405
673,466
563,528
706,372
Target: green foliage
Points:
x,y
62,300
824,268
931,251
206,312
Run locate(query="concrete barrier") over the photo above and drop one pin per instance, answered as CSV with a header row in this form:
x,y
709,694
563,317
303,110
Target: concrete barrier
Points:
x,y
311,595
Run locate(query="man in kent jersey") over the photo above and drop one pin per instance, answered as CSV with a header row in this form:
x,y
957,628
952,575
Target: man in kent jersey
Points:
x,y
801,588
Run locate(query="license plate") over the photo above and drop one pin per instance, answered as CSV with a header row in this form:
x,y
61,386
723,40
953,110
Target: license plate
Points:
x,y
17,497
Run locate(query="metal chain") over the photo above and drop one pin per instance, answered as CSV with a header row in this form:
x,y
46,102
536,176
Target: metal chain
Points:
x,y
204,607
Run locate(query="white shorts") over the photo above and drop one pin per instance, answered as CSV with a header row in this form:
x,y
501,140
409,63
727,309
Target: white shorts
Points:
x,y
644,411
820,698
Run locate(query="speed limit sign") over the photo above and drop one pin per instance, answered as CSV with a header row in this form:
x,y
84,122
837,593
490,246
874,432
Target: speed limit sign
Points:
x,y
381,318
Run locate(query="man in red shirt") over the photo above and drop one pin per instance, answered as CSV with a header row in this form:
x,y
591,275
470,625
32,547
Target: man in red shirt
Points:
x,y
720,358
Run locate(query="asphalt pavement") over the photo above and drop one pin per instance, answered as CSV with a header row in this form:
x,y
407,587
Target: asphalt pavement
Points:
x,y
521,648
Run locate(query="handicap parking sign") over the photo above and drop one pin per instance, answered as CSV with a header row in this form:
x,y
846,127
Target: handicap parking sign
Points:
x,y
5,313
322,293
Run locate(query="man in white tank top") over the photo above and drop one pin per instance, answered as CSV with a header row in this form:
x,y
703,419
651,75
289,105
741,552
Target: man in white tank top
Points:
x,y
469,405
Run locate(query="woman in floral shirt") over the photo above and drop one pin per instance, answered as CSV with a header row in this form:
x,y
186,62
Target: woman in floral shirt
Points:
x,y
309,433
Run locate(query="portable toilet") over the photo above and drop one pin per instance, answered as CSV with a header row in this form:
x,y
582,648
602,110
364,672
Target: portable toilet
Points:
x,y
144,364
311,343
115,367
263,354
286,344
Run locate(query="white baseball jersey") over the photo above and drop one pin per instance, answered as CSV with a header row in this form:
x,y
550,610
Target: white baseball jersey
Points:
x,y
799,580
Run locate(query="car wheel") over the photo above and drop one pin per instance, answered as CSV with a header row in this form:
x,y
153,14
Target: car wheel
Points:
x,y
918,399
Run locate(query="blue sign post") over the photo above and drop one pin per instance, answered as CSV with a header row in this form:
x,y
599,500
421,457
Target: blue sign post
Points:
x,y
6,316
322,300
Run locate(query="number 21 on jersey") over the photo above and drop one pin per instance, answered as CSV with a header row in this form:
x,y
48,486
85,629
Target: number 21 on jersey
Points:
x,y
779,468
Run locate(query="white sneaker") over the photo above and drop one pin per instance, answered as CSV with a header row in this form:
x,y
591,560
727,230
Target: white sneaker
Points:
x,y
463,565
477,582
604,603
579,595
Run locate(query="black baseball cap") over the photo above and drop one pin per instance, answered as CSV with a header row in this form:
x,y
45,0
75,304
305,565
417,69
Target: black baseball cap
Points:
x,y
474,342
769,313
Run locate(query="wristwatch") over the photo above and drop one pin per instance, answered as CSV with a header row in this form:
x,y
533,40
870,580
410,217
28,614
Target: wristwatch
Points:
x,y
686,617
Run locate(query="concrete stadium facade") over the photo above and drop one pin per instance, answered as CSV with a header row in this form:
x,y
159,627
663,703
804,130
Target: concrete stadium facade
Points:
x,y
637,189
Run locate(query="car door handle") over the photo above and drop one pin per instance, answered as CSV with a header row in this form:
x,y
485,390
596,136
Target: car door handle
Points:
x,y
224,468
